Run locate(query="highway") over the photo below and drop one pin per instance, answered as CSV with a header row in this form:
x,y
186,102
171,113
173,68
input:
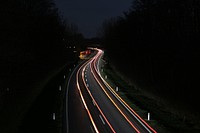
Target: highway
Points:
x,y
94,106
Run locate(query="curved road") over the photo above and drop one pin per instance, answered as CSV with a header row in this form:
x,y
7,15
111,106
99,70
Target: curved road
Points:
x,y
93,106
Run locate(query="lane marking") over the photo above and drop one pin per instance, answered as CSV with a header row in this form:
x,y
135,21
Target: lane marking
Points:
x,y
131,124
82,98
128,108
102,119
92,129
93,102
96,102
67,93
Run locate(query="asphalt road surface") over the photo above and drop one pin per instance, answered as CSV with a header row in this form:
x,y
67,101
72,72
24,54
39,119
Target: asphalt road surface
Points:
x,y
93,106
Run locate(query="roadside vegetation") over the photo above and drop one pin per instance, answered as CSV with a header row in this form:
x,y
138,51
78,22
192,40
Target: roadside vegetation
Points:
x,y
155,44
47,113
35,43
163,117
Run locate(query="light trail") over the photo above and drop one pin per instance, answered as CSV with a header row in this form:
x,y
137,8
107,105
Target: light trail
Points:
x,y
132,125
94,101
132,112
120,104
83,100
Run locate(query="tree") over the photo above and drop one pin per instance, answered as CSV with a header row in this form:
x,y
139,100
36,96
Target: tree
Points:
x,y
161,41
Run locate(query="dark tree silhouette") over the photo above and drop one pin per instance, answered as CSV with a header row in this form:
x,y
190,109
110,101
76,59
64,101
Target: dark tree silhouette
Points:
x,y
33,39
32,30
159,40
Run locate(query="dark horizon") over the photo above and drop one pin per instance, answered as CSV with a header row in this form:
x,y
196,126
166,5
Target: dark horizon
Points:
x,y
149,54
89,15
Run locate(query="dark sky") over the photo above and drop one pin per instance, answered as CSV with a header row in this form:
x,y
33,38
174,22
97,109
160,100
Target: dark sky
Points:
x,y
89,15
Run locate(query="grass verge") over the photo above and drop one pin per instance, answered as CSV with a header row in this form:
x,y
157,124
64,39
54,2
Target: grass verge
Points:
x,y
39,117
163,118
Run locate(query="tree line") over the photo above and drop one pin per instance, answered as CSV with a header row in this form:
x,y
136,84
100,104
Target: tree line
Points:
x,y
156,44
32,32
34,45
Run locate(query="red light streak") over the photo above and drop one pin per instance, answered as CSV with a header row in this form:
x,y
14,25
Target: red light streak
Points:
x,y
95,62
132,125
98,56
96,102
84,103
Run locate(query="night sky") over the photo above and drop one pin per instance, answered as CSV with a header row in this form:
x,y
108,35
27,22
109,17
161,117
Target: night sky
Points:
x,y
89,15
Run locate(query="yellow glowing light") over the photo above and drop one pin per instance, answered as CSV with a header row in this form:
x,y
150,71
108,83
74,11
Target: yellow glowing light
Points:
x,y
95,101
83,100
132,125
100,51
